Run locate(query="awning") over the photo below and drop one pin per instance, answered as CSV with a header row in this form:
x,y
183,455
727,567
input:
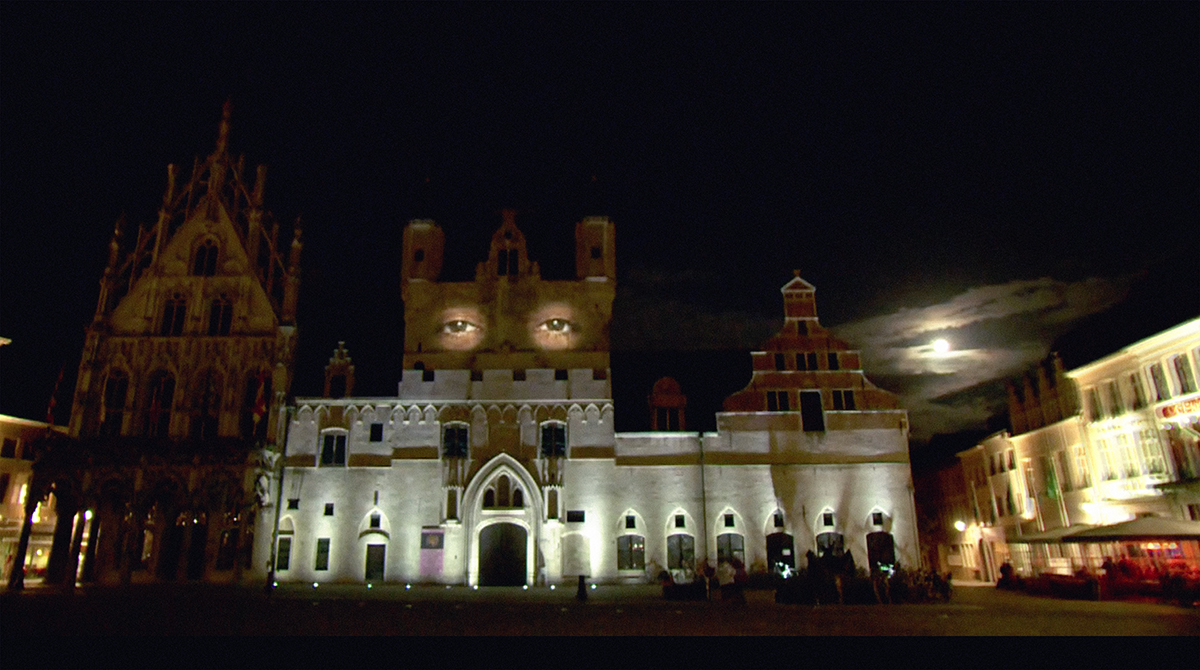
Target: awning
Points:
x,y
1144,528
1051,536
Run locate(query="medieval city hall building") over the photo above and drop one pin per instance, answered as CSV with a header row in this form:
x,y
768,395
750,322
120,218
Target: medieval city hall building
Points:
x,y
496,462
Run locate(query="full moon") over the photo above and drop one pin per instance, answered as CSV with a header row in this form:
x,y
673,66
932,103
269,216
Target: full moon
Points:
x,y
941,346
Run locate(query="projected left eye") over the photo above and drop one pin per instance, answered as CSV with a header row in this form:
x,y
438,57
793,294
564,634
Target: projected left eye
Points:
x,y
459,327
556,326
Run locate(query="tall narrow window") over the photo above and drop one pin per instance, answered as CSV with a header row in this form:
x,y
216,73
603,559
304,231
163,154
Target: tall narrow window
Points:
x,y
801,362
1183,374
322,562
1161,390
174,311
205,263
731,547
160,401
681,552
206,416
220,316
1114,397
454,440
377,432
777,401
843,399
833,361
631,552
554,440
779,364
1139,393
283,556
116,389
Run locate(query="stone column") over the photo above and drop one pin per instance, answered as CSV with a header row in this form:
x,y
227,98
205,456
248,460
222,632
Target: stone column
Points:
x,y
89,557
73,556
56,566
16,579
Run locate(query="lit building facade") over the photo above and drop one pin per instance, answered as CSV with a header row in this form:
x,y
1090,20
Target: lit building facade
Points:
x,y
18,438
497,463
1107,442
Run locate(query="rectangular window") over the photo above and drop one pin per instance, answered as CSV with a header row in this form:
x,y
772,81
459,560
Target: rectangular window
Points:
x,y
322,554
1194,512
1183,374
801,364
1139,393
731,547
802,328
729,521
827,519
680,521
877,518
333,449
560,375
293,503
451,504
283,555
1115,400
778,520
779,364
812,415
1095,406
554,440
631,552
9,450
833,361
630,521
812,360
575,516
377,432
376,520
454,441
476,375
428,375
843,400
1161,391
328,509
599,374
777,401
1012,460
552,504
4,481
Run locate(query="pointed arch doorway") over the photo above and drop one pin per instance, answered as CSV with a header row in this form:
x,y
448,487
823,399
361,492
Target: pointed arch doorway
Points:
x,y
502,555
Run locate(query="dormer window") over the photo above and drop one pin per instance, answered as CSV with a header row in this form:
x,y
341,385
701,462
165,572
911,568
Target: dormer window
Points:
x,y
333,449
220,316
174,311
205,262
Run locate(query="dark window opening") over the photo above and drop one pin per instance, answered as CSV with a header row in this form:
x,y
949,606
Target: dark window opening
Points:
x,y
630,521
283,555
454,441
116,389
777,401
729,521
489,498
552,504
833,361
293,503
220,316
666,418
322,562
205,264
328,509
877,518
427,375
174,311
451,504
575,516
631,552
731,547
256,402
811,413
827,519
881,551
376,520
377,432
518,498
337,386
778,520
161,402
779,364
831,544
599,374
801,363
333,450
419,255
476,375
518,375
680,521
843,400
595,253
554,440
9,450
560,375
802,328
811,360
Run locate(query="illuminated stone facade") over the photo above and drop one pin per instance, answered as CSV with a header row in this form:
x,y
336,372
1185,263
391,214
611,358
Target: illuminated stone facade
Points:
x,y
497,463
184,369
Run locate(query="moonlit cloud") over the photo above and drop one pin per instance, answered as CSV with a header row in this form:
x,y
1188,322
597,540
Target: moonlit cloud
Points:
x,y
997,331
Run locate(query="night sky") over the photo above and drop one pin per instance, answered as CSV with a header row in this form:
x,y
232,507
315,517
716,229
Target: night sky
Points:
x,y
1007,176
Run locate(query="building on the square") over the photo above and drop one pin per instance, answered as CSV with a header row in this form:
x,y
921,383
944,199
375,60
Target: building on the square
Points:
x,y
497,462
184,368
18,441
1108,442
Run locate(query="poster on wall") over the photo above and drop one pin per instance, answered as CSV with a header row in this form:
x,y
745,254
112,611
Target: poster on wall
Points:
x,y
432,542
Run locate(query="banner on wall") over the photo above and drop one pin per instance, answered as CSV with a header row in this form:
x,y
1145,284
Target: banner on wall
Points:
x,y
432,544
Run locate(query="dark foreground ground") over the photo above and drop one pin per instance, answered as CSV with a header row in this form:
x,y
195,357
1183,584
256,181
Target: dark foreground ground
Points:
x,y
624,610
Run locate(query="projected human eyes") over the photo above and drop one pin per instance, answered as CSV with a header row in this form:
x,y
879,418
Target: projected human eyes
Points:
x,y
556,326
459,327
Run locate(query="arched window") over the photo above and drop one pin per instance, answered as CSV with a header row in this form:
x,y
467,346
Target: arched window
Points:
x,y
256,402
159,402
781,552
220,316
681,552
174,311
518,498
731,547
502,486
489,498
205,262
881,551
112,411
631,552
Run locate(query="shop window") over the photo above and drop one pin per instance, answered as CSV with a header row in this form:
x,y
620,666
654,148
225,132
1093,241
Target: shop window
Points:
x,y
631,552
681,552
455,440
174,311
777,401
554,440
731,547
205,262
322,562
812,415
333,449
377,432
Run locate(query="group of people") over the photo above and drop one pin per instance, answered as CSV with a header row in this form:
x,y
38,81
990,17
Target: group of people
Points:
x,y
729,578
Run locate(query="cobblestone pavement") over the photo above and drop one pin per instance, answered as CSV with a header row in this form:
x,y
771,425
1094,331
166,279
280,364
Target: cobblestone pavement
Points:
x,y
609,610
